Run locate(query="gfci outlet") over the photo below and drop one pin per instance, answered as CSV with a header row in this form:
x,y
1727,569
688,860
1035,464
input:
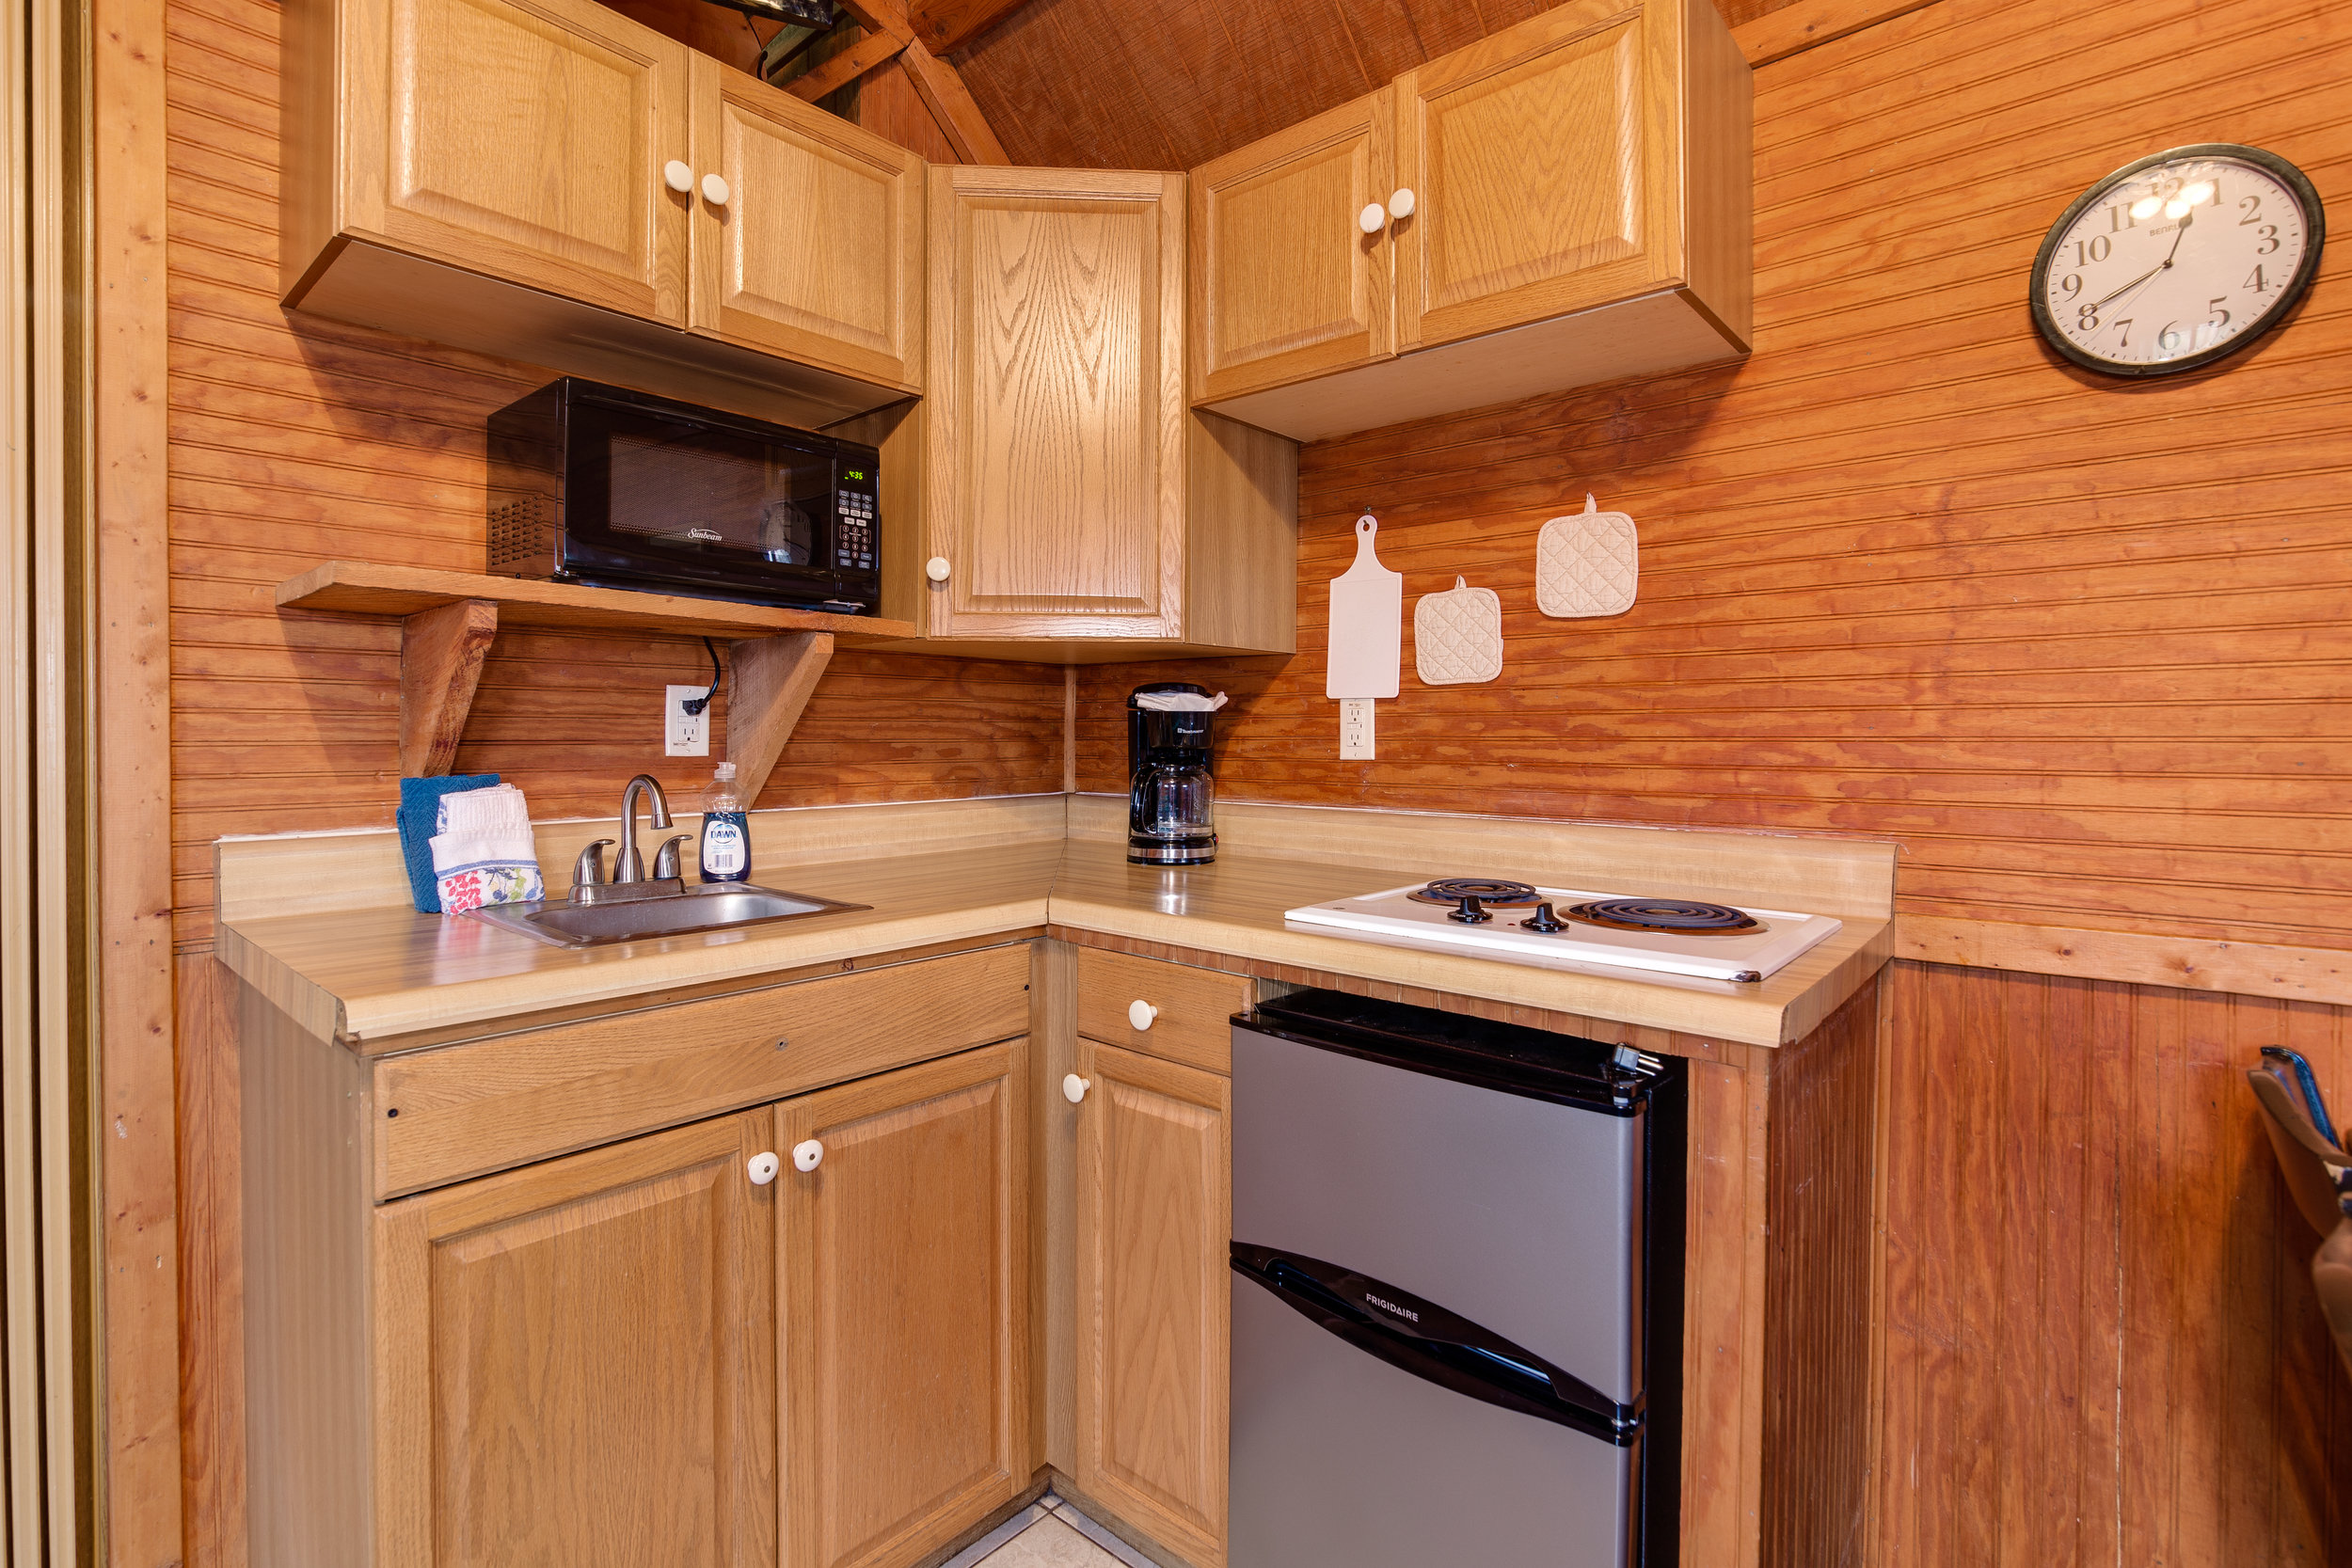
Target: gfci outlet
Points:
x,y
684,734
1355,730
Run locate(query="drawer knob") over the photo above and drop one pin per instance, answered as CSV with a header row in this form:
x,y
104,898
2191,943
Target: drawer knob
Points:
x,y
937,569
762,1168
715,190
1073,1088
678,177
1140,1014
1371,219
807,1154
1401,205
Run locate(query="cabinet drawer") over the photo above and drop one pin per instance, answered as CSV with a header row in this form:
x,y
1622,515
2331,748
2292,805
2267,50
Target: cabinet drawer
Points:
x,y
444,1114
1196,1007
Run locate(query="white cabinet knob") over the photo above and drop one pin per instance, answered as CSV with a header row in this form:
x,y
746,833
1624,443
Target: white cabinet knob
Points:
x,y
762,1168
1140,1014
1371,219
807,1155
1401,205
715,191
678,177
937,569
1073,1088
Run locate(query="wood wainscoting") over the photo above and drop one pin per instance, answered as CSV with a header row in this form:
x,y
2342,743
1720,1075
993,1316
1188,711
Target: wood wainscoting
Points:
x,y
2097,1340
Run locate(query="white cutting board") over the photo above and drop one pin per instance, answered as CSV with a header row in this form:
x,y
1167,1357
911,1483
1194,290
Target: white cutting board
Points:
x,y
1367,615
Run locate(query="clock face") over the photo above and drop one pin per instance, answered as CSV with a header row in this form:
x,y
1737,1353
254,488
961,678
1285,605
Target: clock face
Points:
x,y
2173,261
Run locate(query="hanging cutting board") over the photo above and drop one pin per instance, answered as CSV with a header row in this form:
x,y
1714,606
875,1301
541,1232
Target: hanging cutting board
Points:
x,y
1367,618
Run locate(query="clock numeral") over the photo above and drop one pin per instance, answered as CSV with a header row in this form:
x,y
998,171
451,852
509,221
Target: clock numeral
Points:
x,y
2257,282
2072,284
2269,231
2126,341
2169,338
2096,250
2220,317
2252,206
2088,321
2120,219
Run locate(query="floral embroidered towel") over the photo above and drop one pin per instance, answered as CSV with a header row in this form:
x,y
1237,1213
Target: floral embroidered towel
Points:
x,y
484,852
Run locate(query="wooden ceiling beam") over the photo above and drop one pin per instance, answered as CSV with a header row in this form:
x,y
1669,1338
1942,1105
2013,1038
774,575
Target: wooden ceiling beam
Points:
x,y
873,50
945,24
950,102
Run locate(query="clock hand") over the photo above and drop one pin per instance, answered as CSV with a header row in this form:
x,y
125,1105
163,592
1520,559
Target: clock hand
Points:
x,y
2182,234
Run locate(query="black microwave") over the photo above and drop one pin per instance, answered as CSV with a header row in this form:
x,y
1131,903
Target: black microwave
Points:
x,y
599,484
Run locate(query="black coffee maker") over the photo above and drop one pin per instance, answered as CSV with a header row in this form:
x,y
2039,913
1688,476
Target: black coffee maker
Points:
x,y
1171,797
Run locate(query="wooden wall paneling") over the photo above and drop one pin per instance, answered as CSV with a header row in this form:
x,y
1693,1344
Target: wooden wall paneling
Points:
x,y
138,1243
1895,586
2101,1342
210,1265
888,106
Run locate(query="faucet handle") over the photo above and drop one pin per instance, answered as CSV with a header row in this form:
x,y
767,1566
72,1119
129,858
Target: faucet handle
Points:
x,y
588,870
666,860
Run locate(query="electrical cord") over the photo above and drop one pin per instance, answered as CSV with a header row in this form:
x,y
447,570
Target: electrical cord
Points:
x,y
694,705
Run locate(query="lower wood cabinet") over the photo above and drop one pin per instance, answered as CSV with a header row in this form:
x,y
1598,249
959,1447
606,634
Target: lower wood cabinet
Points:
x,y
1154,1224
905,1309
575,1361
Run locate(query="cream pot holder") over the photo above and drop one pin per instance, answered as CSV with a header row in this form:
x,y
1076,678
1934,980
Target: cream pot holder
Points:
x,y
1586,563
1457,636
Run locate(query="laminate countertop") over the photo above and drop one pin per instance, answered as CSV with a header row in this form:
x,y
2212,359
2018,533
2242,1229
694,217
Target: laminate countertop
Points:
x,y
385,978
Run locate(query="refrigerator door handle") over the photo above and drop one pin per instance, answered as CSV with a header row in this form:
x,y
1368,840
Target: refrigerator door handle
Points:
x,y
1442,1347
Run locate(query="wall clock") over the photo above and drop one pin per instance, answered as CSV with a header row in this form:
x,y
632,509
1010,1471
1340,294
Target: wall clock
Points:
x,y
2176,261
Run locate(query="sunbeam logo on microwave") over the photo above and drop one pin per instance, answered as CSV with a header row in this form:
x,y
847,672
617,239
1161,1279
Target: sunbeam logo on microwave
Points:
x,y
710,534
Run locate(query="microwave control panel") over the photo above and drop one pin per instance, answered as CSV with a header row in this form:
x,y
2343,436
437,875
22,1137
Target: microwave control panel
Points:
x,y
853,535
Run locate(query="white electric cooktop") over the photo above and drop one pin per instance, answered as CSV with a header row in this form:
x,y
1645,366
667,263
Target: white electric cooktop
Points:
x,y
1573,928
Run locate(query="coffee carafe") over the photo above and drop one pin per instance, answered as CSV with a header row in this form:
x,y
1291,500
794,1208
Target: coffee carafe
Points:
x,y
1171,794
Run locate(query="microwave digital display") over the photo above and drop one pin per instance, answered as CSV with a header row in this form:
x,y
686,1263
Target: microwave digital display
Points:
x,y
599,484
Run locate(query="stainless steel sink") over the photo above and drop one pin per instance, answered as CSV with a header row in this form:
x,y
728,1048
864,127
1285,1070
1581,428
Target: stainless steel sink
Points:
x,y
708,907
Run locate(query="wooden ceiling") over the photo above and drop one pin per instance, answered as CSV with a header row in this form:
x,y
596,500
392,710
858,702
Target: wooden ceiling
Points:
x,y
1171,83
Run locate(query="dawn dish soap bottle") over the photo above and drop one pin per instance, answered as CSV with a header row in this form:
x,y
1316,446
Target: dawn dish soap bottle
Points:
x,y
726,845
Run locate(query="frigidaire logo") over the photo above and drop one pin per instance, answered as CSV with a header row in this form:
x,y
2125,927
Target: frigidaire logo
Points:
x,y
1404,1312
709,534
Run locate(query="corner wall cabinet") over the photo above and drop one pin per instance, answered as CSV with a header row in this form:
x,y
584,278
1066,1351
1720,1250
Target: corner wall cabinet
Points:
x,y
1572,203
1052,493
514,176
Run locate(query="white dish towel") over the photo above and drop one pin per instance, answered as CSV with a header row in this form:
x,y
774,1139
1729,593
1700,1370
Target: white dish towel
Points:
x,y
484,852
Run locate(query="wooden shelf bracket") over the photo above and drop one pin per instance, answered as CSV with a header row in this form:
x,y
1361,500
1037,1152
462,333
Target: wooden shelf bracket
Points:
x,y
770,679
441,663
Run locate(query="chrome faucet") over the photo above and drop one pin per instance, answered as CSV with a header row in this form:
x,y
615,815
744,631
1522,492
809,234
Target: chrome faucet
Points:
x,y
628,866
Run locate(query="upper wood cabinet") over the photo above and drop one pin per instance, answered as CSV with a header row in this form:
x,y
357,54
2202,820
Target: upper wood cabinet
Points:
x,y
497,174
818,252
1052,495
905,1309
574,1363
1572,204
1286,283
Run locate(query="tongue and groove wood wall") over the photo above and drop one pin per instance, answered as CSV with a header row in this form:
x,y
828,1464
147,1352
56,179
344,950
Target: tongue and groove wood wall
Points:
x,y
296,440
2080,646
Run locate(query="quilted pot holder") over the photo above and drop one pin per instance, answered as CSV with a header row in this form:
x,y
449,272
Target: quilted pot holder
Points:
x,y
1586,564
1457,636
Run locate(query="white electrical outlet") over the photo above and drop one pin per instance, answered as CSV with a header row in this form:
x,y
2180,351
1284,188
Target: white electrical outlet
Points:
x,y
1355,730
684,734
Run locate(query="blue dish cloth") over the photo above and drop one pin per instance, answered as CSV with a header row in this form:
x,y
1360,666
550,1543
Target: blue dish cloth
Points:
x,y
419,818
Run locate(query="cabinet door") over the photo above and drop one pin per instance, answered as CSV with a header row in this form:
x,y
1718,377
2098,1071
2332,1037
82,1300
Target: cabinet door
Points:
x,y
905,1320
1543,164
524,139
1285,283
575,1361
816,253
1056,482
1154,1234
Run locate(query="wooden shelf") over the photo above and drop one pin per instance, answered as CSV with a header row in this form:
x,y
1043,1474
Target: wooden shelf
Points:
x,y
361,589
448,620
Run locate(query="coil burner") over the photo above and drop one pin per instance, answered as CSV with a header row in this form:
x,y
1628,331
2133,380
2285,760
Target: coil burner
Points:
x,y
1486,890
1680,916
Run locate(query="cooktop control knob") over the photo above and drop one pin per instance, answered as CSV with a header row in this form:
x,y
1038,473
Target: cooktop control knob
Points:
x,y
1544,920
1472,913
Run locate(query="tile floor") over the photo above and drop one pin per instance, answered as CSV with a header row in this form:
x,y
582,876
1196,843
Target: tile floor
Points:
x,y
1049,1533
